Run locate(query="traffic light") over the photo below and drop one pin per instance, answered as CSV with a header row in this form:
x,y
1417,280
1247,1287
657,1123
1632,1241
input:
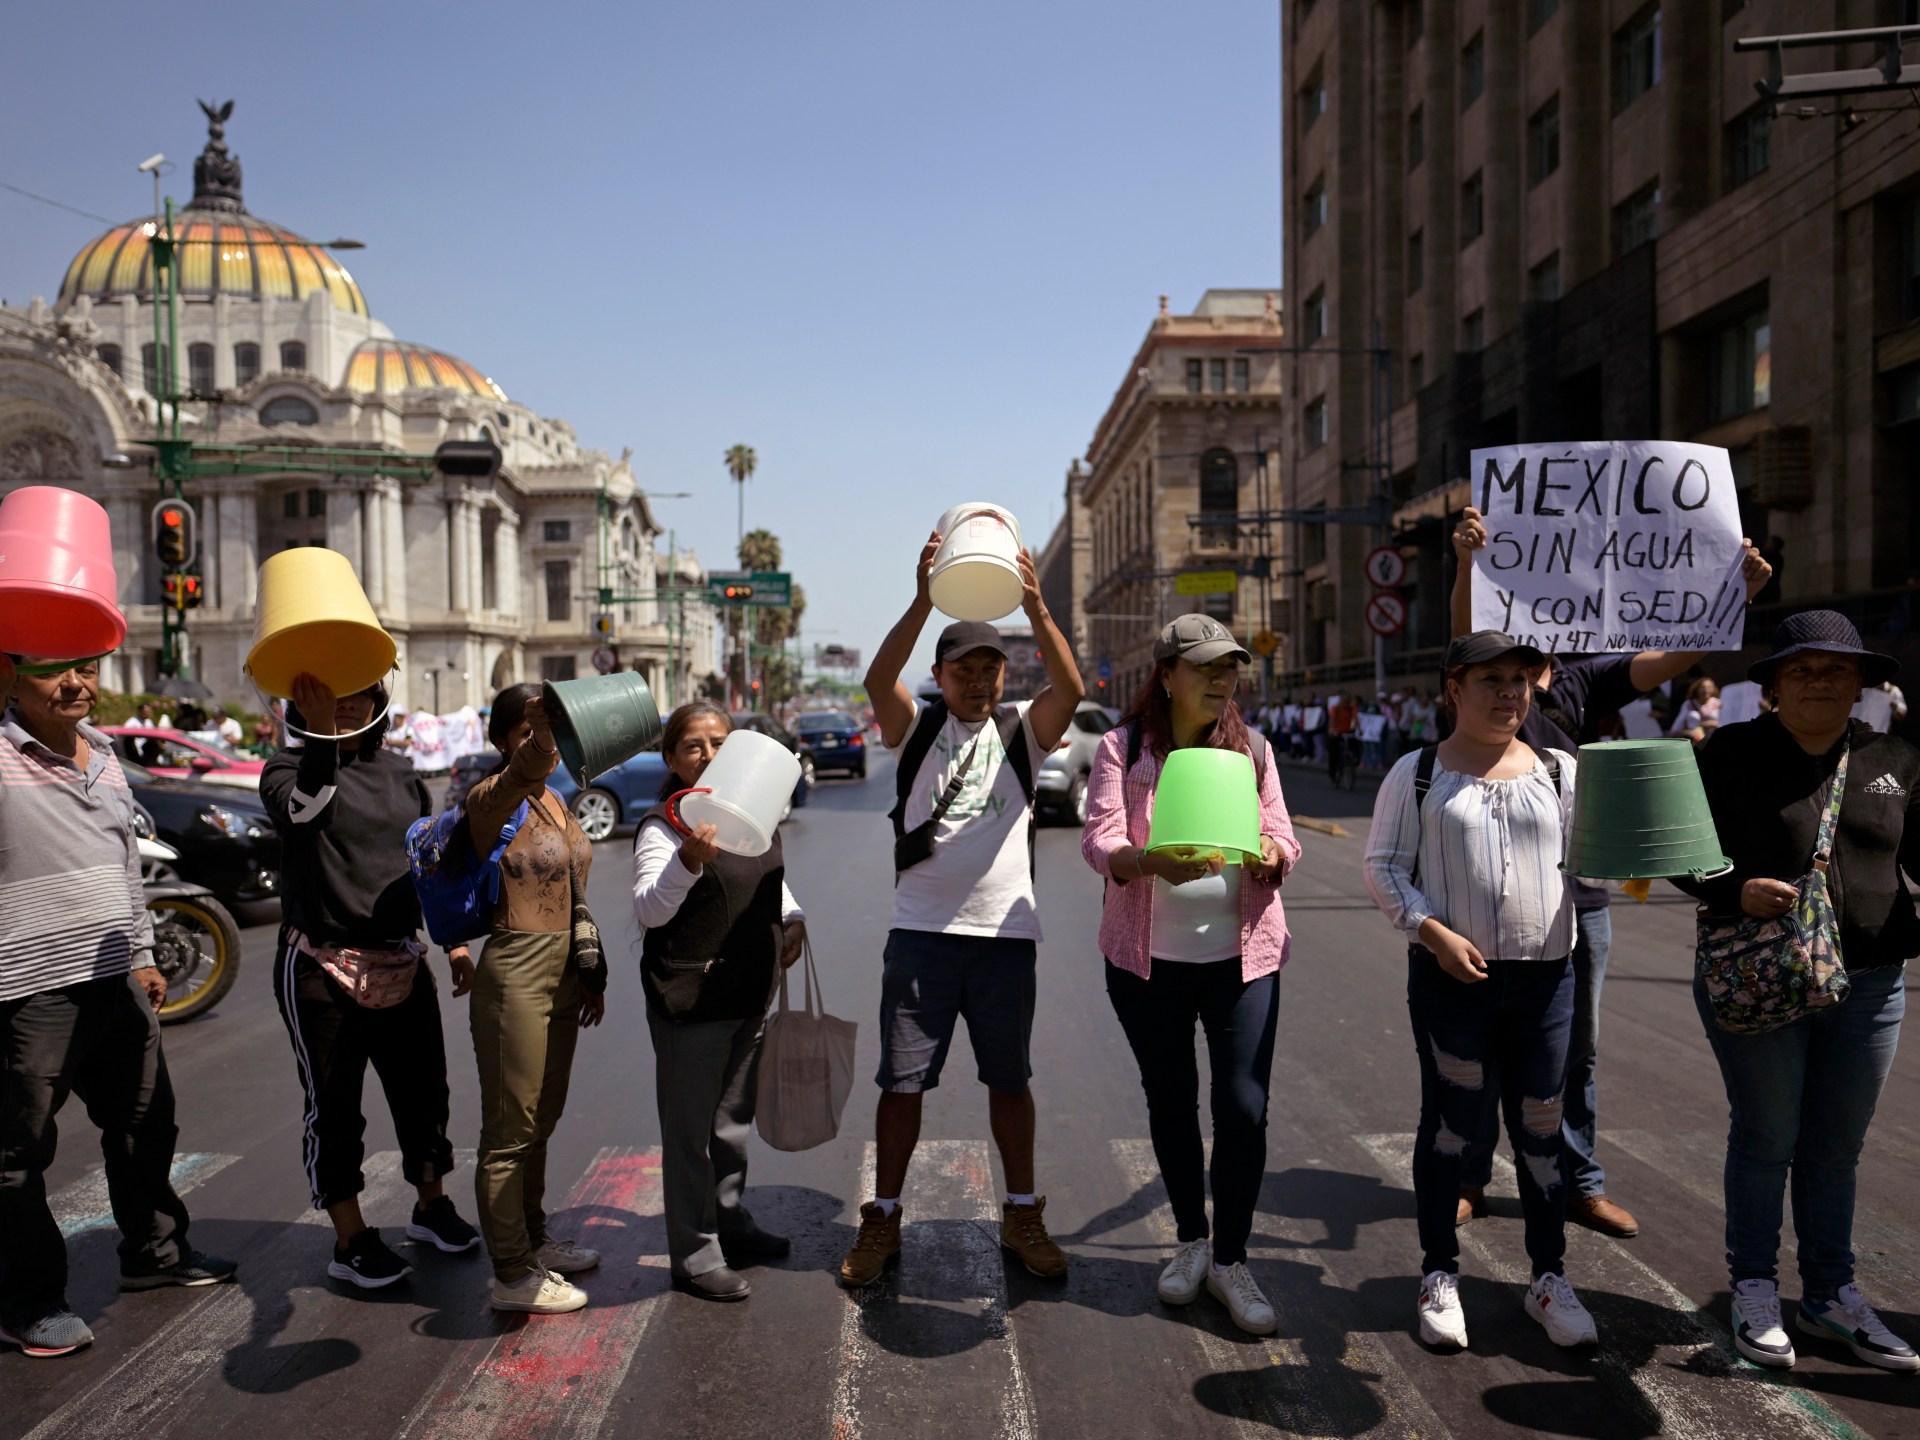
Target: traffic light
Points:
x,y
741,591
183,592
173,532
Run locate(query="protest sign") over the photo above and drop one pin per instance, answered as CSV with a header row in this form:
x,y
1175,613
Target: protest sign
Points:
x,y
1609,545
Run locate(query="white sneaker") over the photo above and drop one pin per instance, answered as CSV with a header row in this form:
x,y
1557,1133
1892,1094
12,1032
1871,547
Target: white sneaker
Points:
x,y
1235,1288
1180,1282
563,1257
1849,1319
1551,1302
540,1292
1442,1320
1757,1331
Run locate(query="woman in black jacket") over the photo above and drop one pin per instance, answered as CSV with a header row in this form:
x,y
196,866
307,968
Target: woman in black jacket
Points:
x,y
715,927
1802,1095
350,918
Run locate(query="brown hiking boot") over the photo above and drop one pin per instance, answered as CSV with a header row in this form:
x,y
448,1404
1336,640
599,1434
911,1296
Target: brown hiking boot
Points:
x,y
1596,1212
1473,1204
1023,1230
874,1248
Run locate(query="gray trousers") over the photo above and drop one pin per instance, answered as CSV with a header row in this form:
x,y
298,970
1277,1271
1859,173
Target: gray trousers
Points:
x,y
705,1076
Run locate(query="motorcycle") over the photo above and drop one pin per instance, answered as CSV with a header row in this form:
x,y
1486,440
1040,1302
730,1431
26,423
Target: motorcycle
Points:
x,y
196,942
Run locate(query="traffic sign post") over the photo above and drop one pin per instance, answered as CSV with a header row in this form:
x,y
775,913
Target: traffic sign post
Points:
x,y
1206,582
1386,613
1386,567
604,660
750,587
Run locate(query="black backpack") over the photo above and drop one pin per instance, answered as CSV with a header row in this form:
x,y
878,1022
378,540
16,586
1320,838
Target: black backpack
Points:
x,y
1423,782
910,848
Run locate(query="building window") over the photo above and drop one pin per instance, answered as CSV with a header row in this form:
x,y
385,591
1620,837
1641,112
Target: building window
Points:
x,y
1749,144
1316,206
316,503
1416,22
1473,332
1316,423
1316,316
1416,374
1543,280
1242,376
1416,261
293,355
288,410
1196,376
1636,219
557,667
1313,100
152,361
1543,142
1742,367
556,532
110,357
1636,57
290,505
1473,69
1220,496
1539,12
559,577
1217,376
1416,136
246,364
200,369
1473,209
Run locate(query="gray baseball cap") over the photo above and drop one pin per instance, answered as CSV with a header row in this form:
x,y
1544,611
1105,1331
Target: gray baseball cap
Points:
x,y
1199,640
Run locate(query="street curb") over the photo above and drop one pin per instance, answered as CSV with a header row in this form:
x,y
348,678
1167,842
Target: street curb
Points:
x,y
1324,827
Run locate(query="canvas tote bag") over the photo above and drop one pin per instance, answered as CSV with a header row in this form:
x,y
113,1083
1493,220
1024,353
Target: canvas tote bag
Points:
x,y
806,1069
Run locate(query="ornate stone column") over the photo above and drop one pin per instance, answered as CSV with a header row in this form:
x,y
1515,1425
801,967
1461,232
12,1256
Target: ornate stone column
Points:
x,y
457,565
373,531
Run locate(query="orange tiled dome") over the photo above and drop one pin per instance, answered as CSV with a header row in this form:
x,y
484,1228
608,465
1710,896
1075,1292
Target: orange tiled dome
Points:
x,y
386,367
220,252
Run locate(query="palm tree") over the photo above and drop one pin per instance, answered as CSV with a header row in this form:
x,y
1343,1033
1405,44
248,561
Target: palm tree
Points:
x,y
741,462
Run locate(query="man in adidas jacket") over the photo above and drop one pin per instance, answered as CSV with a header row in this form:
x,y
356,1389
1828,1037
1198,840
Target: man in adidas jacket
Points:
x,y
965,927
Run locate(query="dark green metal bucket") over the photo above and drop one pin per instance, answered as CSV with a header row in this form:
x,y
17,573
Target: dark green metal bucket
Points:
x,y
600,722
1640,813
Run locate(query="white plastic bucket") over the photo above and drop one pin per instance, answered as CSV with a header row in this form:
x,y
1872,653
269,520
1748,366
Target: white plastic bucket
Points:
x,y
744,793
976,571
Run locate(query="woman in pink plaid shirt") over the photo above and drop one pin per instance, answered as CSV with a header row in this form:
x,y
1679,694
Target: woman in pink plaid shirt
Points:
x,y
1195,941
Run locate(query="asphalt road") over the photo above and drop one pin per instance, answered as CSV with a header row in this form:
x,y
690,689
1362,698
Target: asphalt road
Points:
x,y
958,1345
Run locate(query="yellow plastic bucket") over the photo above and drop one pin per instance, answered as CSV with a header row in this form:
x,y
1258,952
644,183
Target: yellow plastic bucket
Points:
x,y
312,617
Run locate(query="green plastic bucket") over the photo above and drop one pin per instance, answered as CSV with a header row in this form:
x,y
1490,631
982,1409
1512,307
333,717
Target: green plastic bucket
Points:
x,y
1640,813
1207,804
600,722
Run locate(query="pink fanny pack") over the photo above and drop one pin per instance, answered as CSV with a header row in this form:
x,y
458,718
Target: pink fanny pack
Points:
x,y
377,979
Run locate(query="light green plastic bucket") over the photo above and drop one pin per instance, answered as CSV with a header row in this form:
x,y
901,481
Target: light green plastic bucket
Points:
x,y
1207,804
1640,813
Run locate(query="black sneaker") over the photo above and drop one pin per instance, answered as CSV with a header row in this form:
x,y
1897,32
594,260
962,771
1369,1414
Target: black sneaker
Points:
x,y
367,1262
196,1267
439,1225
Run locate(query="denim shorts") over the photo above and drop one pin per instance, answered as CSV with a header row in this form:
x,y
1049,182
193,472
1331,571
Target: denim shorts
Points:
x,y
931,980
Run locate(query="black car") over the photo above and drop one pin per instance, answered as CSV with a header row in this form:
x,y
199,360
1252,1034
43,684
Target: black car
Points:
x,y
225,840
468,770
773,729
834,740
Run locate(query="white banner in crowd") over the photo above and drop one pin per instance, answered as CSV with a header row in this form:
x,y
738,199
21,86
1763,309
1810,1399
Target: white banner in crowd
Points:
x,y
439,740
1609,545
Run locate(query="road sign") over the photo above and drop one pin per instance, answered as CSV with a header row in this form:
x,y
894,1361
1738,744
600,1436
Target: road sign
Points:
x,y
755,587
1106,669
1265,643
604,660
1206,582
1386,613
1386,567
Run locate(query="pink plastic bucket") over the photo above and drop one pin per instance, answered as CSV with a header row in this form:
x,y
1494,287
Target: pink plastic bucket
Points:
x,y
57,586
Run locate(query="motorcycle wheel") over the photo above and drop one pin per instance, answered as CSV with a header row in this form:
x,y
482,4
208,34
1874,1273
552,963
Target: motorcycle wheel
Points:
x,y
196,945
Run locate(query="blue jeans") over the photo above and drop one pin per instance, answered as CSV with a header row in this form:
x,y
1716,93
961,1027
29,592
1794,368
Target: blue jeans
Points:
x,y
1593,938
1801,1098
1498,1044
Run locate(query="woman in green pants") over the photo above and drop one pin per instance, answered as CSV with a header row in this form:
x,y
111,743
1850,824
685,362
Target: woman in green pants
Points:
x,y
535,986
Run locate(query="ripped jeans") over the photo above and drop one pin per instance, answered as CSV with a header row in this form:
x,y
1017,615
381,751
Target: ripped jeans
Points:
x,y
1500,1043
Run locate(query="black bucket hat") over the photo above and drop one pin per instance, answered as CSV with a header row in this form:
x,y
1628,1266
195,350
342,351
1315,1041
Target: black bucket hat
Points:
x,y
1823,630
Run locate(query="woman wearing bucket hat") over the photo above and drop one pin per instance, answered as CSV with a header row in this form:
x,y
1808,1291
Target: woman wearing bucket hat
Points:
x,y
1464,856
714,926
351,979
539,980
1801,1095
1195,940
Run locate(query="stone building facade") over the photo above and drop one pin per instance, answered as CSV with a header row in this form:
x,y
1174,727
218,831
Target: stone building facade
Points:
x,y
1540,220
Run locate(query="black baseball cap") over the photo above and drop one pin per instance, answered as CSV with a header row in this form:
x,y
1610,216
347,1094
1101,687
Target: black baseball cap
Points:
x,y
963,637
1199,640
1480,646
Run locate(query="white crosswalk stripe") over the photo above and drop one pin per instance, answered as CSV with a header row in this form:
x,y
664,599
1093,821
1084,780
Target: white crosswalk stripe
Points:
x,y
85,1205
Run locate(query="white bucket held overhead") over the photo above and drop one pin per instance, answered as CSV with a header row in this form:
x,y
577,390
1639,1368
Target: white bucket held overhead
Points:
x,y
976,571
743,794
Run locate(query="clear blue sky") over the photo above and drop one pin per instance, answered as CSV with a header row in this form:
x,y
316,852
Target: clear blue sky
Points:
x,y
904,250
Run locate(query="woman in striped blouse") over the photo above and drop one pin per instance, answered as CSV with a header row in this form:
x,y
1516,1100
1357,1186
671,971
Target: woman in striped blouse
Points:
x,y
1464,857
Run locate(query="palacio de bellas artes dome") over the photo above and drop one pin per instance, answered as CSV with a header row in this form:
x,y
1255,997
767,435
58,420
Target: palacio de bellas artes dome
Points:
x,y
481,582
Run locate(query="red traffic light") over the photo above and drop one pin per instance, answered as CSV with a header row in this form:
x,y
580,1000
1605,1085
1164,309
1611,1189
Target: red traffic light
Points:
x,y
172,523
738,592
170,516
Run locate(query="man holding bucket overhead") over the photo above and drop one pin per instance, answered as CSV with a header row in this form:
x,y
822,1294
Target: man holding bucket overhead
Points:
x,y
965,927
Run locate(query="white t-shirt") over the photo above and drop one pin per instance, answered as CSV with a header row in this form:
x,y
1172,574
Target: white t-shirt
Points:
x,y
977,881
1199,921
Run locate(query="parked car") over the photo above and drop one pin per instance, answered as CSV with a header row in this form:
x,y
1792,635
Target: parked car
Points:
x,y
179,756
467,769
833,740
624,793
225,840
1060,787
767,725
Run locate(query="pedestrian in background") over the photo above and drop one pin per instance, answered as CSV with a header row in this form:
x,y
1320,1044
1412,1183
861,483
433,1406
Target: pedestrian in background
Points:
x,y
1195,942
1801,1096
79,993
1699,713
351,978
540,979
715,926
965,929
1464,856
